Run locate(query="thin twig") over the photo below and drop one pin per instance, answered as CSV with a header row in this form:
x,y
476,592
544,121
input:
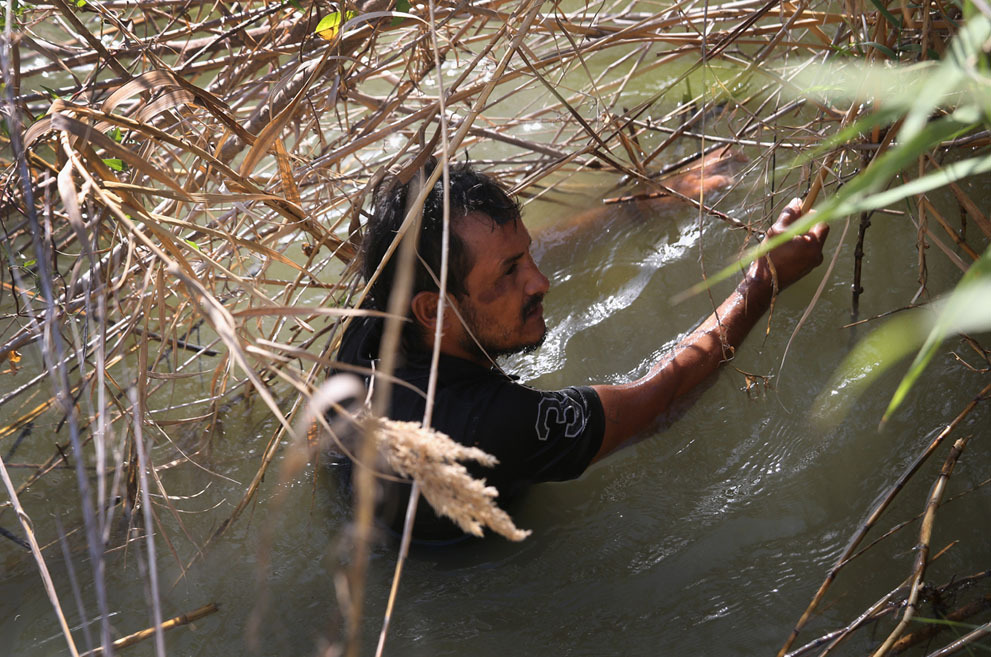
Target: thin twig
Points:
x,y
922,549
876,513
172,623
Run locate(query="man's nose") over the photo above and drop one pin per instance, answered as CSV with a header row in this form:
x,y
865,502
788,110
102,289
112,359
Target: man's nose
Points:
x,y
537,283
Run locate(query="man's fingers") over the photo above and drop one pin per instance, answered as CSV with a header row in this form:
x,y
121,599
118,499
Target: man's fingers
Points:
x,y
791,212
788,215
821,231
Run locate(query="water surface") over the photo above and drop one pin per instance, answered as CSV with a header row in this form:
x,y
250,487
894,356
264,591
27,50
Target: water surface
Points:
x,y
708,537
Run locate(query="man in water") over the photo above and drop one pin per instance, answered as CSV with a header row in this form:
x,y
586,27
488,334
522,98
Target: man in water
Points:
x,y
495,291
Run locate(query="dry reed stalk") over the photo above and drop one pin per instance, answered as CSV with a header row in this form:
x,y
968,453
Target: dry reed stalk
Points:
x,y
957,615
813,194
876,513
826,276
922,548
834,638
964,641
239,136
884,606
414,494
143,466
39,559
436,492
175,621
905,523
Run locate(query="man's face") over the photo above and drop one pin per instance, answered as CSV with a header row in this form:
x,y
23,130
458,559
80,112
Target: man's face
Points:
x,y
502,307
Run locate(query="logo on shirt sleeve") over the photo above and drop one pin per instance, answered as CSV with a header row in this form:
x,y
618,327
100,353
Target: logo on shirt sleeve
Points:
x,y
559,411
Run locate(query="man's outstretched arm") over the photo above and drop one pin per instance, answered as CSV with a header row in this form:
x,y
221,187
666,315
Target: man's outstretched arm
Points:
x,y
631,408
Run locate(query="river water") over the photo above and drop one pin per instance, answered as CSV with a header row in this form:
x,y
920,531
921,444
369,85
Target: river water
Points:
x,y
706,538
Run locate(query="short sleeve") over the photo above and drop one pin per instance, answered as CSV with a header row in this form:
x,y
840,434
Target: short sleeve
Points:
x,y
540,435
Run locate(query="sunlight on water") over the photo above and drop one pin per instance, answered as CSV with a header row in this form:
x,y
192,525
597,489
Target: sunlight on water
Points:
x,y
705,538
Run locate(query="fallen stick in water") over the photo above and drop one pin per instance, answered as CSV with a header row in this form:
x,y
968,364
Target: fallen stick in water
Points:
x,y
181,619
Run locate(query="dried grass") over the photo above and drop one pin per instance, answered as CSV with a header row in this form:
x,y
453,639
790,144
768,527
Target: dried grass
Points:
x,y
432,460
189,194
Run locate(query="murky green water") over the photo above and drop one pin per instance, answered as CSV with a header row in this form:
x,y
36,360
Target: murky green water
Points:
x,y
707,538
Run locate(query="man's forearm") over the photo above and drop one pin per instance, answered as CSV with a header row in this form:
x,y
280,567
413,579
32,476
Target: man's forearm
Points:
x,y
715,341
631,408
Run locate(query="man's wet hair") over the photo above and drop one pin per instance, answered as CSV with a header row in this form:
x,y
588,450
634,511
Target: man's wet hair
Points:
x,y
470,192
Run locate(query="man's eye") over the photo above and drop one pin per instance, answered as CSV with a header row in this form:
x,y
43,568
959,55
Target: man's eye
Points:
x,y
511,270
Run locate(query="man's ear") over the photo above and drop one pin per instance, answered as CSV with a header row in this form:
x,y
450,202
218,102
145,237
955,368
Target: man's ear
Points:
x,y
424,306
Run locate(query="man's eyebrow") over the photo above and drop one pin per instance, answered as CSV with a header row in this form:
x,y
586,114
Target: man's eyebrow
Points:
x,y
513,258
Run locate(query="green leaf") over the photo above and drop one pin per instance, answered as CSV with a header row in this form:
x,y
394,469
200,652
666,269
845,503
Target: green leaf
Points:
x,y
18,10
871,357
887,14
945,622
882,117
192,244
402,6
330,24
862,192
880,47
115,164
952,72
967,309
948,174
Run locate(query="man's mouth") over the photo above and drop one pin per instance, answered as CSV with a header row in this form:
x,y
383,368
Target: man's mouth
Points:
x,y
533,307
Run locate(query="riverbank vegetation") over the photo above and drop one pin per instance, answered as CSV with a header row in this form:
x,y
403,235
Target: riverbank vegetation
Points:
x,y
182,203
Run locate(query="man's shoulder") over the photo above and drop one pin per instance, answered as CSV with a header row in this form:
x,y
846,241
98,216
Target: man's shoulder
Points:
x,y
464,398
462,386
541,434
360,341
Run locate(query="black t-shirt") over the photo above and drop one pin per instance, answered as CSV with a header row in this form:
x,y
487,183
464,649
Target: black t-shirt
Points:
x,y
536,435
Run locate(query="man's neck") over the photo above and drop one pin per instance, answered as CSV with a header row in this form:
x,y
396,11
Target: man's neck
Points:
x,y
455,349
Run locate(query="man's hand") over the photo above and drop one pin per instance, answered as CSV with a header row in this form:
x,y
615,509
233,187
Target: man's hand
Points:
x,y
795,258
